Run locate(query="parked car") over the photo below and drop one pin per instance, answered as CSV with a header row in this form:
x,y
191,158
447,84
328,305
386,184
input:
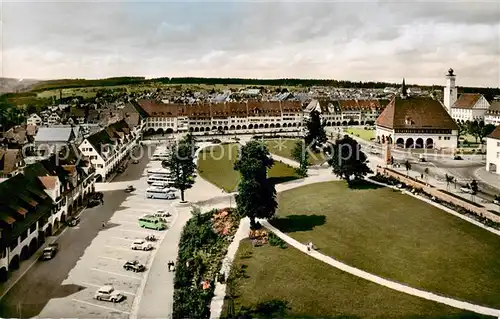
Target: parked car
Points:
x,y
73,221
162,213
49,252
129,189
108,293
134,266
93,203
140,244
457,157
466,190
421,158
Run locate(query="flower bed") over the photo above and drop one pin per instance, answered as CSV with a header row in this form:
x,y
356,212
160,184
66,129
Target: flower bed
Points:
x,y
203,246
461,198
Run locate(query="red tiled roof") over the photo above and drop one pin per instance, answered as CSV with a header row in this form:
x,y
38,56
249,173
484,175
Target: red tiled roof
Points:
x,y
496,133
49,182
494,108
198,111
265,107
359,104
158,109
467,100
237,108
291,106
416,113
9,158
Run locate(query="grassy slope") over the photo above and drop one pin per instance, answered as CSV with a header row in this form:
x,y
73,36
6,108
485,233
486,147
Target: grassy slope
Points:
x,y
216,165
315,289
397,237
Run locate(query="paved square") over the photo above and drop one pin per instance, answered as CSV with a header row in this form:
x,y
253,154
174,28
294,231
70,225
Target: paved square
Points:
x,y
103,260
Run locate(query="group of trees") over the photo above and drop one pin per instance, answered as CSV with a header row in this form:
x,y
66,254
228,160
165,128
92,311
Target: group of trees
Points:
x,y
10,115
477,129
181,164
256,196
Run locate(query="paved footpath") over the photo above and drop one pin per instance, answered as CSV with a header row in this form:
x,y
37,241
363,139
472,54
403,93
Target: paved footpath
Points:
x,y
381,281
491,179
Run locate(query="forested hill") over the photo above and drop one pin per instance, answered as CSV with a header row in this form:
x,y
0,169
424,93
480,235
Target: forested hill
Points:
x,y
74,83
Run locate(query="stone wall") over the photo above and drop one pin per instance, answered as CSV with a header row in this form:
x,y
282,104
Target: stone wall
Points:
x,y
429,189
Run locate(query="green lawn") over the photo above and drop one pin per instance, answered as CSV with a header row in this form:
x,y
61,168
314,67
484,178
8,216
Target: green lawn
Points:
x,y
284,147
361,132
315,289
397,237
215,164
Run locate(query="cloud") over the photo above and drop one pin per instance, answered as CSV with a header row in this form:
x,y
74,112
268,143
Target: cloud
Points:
x,y
360,41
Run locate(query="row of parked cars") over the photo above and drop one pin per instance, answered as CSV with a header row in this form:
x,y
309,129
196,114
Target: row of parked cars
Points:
x,y
156,221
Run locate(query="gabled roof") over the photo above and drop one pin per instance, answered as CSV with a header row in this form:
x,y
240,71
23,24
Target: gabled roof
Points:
x,y
291,106
494,108
49,182
415,112
22,203
155,108
54,134
466,100
8,159
108,135
496,133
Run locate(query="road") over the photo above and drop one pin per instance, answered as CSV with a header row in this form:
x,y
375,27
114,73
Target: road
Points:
x,y
44,280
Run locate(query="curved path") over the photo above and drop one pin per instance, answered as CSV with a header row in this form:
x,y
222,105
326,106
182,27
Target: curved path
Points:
x,y
381,281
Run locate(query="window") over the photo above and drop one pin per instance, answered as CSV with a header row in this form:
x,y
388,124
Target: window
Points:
x,y
24,235
498,144
33,228
498,154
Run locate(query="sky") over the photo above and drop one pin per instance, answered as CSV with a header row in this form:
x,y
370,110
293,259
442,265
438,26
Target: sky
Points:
x,y
357,41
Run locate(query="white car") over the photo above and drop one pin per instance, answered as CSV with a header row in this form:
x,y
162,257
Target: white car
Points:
x,y
466,190
108,293
140,244
162,213
160,184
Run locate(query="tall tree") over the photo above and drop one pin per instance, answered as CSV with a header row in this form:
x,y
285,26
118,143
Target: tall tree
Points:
x,y
301,154
347,160
462,130
484,131
182,166
256,196
315,135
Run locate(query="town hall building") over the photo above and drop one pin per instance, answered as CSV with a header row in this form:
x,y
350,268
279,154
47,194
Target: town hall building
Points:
x,y
416,122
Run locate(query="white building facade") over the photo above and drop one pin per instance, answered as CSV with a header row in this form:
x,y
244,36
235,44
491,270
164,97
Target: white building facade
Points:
x,y
470,107
493,152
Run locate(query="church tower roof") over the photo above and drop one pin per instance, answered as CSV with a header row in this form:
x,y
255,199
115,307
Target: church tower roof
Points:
x,y
404,92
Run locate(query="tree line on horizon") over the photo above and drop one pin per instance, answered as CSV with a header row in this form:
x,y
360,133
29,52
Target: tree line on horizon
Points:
x,y
488,92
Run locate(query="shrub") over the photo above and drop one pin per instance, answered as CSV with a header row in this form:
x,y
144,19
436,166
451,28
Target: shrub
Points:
x,y
202,247
276,241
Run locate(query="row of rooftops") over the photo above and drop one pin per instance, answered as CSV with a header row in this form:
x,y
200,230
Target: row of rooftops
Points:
x,y
23,197
110,135
154,108
329,106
